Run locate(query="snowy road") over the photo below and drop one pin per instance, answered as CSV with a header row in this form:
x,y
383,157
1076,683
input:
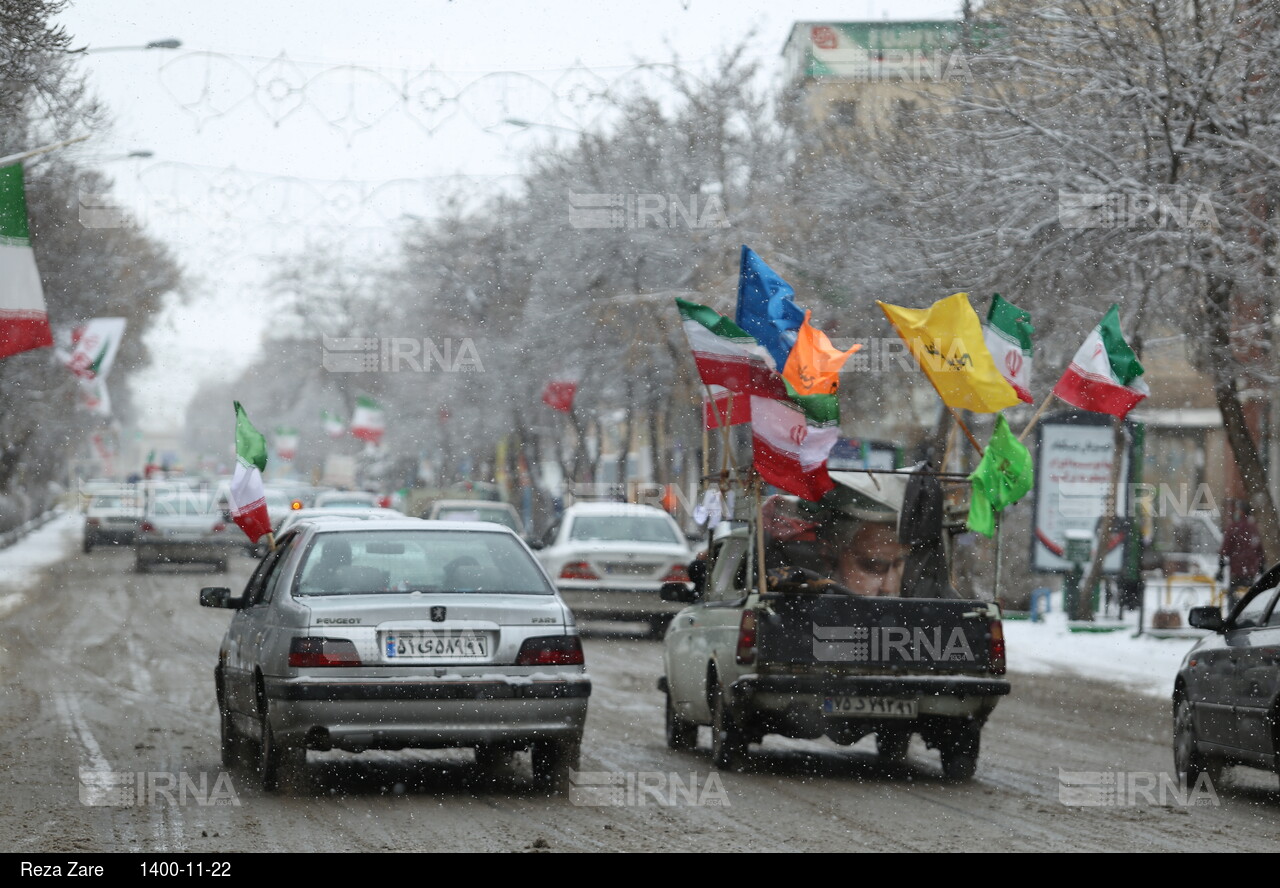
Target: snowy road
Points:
x,y
111,672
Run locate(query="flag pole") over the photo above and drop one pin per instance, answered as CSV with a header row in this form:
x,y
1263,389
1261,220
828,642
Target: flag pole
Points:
x,y
760,581
722,421
1044,405
43,149
995,591
946,451
964,428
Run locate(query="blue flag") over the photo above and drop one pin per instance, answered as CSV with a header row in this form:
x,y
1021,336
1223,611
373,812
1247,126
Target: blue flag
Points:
x,y
766,307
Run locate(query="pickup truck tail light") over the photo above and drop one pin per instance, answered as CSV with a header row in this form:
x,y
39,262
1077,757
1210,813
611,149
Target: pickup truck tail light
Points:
x,y
578,570
996,635
678,574
312,651
746,653
551,650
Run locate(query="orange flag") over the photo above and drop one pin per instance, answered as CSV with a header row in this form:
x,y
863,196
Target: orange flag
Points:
x,y
813,368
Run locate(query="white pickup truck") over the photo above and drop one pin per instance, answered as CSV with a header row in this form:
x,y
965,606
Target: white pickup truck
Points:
x,y
807,658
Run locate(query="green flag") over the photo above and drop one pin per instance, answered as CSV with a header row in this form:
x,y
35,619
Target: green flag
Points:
x,y
1002,478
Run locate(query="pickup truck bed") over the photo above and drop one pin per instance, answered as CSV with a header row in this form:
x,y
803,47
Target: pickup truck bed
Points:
x,y
807,665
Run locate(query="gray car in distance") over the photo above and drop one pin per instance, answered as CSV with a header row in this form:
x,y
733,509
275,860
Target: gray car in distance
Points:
x,y
397,634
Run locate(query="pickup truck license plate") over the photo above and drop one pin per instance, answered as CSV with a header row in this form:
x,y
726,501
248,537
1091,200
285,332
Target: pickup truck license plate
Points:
x,y
867,707
434,646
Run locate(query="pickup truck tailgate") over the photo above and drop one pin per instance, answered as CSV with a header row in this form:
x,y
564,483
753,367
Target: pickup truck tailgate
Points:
x,y
916,635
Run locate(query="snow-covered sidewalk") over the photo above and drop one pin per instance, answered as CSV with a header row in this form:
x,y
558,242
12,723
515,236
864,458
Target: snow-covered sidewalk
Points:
x,y
1144,663
21,563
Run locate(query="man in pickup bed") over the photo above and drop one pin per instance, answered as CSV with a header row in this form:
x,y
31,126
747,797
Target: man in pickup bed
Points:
x,y
868,558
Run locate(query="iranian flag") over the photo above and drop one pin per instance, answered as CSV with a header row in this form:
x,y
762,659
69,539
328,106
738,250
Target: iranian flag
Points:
x,y
723,407
728,356
333,426
1008,336
24,322
1104,376
286,443
789,453
367,423
248,499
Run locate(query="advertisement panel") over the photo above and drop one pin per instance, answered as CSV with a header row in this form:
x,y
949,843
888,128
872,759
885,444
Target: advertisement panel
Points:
x,y
1074,453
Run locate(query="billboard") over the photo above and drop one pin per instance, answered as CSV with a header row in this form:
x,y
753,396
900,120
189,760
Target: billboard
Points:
x,y
1074,454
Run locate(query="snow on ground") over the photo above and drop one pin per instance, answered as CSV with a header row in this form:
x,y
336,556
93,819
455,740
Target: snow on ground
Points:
x,y
21,563
1144,663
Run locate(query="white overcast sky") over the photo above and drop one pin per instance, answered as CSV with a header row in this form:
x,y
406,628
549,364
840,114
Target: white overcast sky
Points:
x,y
162,101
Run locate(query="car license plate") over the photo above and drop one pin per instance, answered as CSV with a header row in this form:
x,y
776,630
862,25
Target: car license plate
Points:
x,y
435,646
869,707
628,569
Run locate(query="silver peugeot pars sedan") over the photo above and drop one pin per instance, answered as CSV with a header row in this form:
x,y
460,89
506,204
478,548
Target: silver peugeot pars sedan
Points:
x,y
362,635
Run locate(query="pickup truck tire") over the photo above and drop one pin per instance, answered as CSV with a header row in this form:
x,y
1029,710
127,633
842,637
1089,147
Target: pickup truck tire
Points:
x,y
892,745
491,757
681,734
728,741
960,752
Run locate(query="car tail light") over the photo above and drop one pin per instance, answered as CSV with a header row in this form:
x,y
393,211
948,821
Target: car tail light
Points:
x,y
578,570
309,652
551,650
147,527
746,653
219,527
678,574
93,522
995,634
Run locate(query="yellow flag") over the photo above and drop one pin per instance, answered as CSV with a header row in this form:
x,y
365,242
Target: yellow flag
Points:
x,y
946,339
813,366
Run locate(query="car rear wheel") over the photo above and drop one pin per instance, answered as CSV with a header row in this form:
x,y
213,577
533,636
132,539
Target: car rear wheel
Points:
x,y
276,760
231,742
553,760
728,741
658,626
681,734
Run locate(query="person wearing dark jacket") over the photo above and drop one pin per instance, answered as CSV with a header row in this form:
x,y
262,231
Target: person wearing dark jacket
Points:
x,y
1240,553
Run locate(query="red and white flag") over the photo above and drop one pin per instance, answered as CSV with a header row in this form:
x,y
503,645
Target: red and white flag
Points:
x,y
789,453
24,321
247,495
1104,376
559,394
368,422
725,408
